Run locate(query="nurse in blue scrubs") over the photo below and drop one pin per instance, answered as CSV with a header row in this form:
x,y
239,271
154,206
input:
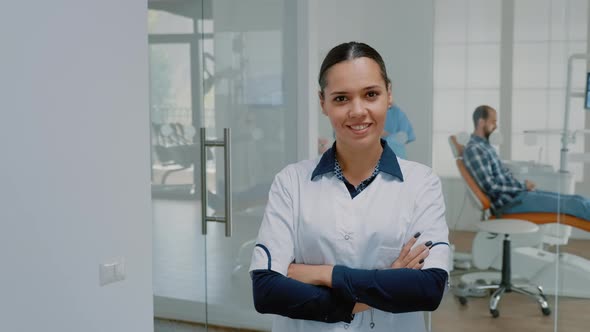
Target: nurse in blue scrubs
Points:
x,y
398,131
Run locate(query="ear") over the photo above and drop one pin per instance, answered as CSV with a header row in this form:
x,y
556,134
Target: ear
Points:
x,y
481,122
389,96
322,102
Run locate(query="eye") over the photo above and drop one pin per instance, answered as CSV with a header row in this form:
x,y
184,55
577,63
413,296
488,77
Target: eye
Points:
x,y
372,94
340,99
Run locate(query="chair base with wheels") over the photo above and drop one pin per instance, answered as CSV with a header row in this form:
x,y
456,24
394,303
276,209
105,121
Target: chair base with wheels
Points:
x,y
508,227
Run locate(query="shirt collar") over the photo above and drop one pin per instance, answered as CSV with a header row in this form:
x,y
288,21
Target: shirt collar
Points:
x,y
387,163
479,139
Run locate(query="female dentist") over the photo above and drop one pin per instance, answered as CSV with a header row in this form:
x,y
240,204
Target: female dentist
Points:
x,y
337,249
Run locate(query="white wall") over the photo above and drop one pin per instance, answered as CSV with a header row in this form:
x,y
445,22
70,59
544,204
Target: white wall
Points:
x,y
74,166
402,32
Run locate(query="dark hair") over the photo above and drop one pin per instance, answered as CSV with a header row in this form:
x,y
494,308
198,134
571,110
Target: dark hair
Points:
x,y
350,51
481,112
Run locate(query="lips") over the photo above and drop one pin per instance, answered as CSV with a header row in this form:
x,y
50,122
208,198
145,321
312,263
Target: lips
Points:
x,y
360,129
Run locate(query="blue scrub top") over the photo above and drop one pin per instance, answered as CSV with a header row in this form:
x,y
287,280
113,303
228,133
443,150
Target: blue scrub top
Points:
x,y
395,122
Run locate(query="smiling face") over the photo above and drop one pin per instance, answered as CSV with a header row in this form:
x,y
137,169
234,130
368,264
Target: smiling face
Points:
x,y
355,99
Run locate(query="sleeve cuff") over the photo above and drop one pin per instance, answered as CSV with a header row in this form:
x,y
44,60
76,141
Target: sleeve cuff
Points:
x,y
339,281
345,280
342,293
343,310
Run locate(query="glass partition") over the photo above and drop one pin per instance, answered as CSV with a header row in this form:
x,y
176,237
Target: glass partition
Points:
x,y
513,56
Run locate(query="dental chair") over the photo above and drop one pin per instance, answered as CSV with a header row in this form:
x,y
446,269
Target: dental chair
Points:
x,y
491,229
531,261
484,202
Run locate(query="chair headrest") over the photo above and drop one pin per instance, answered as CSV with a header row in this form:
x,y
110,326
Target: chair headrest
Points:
x,y
481,199
456,147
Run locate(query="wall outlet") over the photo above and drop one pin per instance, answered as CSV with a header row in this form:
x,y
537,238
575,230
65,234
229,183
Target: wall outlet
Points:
x,y
111,272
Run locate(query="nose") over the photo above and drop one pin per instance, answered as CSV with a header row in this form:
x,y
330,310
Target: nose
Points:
x,y
357,109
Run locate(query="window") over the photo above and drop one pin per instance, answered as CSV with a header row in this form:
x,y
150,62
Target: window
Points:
x,y
467,55
466,70
546,33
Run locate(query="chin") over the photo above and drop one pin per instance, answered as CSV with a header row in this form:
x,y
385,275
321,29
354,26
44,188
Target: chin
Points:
x,y
364,142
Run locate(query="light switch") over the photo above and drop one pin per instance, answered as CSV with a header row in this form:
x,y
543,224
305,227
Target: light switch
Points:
x,y
112,271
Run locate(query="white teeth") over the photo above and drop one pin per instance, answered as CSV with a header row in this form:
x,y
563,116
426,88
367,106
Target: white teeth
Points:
x,y
359,127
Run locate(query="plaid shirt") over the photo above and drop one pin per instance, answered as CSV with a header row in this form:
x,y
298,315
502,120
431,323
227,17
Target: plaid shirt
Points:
x,y
493,178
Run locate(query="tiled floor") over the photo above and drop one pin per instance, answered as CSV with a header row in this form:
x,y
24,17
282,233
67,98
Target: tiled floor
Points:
x,y
164,325
517,312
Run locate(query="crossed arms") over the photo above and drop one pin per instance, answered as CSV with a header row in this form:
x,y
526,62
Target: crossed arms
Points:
x,y
335,293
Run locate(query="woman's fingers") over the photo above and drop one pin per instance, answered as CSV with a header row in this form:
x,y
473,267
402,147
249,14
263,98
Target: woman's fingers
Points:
x,y
414,258
407,248
404,256
418,261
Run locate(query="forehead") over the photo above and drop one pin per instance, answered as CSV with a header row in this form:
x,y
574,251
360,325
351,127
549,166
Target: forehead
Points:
x,y
492,115
354,74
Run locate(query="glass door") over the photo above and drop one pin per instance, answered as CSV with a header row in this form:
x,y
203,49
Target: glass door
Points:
x,y
179,277
246,69
229,67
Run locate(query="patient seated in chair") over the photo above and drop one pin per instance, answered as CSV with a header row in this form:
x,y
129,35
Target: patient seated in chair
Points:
x,y
507,194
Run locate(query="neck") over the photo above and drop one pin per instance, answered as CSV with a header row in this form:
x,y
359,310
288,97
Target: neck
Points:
x,y
358,163
479,133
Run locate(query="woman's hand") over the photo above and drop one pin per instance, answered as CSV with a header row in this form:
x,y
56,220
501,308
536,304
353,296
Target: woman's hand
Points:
x,y
319,275
360,307
412,258
408,258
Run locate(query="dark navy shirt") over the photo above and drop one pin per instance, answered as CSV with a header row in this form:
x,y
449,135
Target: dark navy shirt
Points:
x,y
329,164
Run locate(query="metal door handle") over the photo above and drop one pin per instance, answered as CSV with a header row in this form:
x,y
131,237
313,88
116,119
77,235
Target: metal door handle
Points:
x,y
226,145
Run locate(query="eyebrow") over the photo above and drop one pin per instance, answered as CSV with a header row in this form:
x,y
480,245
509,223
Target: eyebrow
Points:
x,y
346,92
338,93
372,87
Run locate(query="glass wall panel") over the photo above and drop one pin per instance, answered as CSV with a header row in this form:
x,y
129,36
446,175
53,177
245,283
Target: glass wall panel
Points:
x,y
545,34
